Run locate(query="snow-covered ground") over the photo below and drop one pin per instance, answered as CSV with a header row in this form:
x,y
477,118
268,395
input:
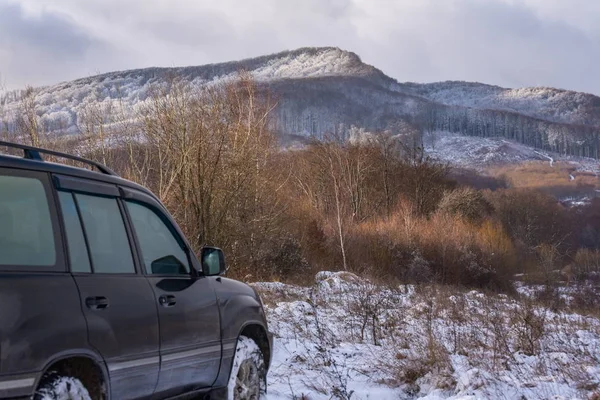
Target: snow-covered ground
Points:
x,y
346,338
480,153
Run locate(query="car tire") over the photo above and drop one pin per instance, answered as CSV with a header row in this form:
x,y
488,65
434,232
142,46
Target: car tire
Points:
x,y
248,373
54,386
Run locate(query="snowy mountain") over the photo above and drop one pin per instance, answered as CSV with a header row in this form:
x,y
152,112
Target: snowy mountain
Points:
x,y
541,102
322,90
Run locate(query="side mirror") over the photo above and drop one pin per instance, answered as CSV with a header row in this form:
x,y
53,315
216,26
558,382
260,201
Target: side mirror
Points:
x,y
213,261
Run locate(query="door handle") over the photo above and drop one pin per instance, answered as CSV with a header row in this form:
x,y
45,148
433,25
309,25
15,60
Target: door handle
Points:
x,y
97,302
167,300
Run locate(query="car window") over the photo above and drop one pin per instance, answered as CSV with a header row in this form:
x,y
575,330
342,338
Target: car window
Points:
x,y
106,235
26,233
162,253
78,254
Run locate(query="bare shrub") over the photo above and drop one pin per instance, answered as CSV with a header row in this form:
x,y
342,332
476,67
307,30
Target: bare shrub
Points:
x,y
440,248
550,296
426,355
467,203
419,269
549,259
336,375
528,322
374,251
586,265
369,304
462,253
531,218
586,299
282,258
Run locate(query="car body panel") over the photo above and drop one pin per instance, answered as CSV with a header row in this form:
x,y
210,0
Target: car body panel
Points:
x,y
130,317
190,342
129,322
236,298
32,316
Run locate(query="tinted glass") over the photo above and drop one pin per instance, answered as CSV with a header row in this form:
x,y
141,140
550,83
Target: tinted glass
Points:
x,y
78,253
26,235
161,252
106,234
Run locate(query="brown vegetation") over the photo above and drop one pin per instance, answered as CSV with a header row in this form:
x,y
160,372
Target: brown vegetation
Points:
x,y
368,203
559,179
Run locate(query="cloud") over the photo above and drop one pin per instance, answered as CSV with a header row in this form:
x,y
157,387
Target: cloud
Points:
x,y
505,42
47,32
490,41
42,45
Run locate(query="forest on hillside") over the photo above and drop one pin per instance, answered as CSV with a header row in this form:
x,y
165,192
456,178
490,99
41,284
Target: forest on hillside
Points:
x,y
565,139
315,102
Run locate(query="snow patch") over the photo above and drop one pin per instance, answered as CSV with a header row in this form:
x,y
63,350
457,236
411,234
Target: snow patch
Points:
x,y
480,153
65,389
477,152
347,338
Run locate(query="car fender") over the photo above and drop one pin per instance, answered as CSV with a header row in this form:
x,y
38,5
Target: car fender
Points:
x,y
239,307
84,353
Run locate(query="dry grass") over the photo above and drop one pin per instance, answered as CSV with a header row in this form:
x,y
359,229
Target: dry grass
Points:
x,y
555,180
441,248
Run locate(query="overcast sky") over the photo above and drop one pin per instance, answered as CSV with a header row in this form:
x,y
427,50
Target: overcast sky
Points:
x,y
511,43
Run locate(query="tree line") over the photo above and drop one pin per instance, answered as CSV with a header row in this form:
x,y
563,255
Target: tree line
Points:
x,y
565,139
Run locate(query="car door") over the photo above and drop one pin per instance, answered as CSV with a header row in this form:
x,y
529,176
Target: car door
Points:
x,y
190,339
40,316
117,302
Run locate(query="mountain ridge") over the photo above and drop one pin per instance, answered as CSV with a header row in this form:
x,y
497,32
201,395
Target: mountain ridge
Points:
x,y
562,105
323,88
229,67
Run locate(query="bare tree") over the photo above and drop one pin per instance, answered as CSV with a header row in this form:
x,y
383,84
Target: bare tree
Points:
x,y
28,121
207,151
331,154
389,150
92,123
333,175
4,123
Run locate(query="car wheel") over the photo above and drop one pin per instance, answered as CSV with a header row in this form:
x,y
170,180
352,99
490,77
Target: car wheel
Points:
x,y
54,386
247,380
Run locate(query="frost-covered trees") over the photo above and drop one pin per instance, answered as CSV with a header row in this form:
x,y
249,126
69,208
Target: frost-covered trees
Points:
x,y
569,139
27,122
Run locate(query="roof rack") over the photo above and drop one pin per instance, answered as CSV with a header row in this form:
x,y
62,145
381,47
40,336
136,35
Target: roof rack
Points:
x,y
33,153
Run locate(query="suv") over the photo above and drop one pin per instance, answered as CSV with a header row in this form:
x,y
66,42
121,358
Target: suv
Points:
x,y
101,294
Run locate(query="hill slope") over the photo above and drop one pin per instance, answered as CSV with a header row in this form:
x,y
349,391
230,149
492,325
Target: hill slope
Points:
x,y
541,102
322,90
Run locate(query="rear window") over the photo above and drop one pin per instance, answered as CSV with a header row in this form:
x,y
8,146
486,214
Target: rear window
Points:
x,y
26,235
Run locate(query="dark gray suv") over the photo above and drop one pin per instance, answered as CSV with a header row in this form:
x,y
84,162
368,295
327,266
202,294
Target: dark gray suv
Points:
x,y
101,296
